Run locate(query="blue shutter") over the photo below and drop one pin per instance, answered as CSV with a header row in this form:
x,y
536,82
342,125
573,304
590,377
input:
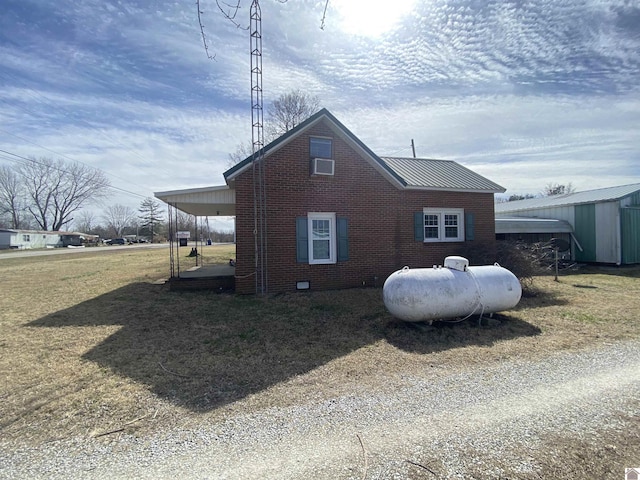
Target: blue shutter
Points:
x,y
342,226
418,226
469,227
302,240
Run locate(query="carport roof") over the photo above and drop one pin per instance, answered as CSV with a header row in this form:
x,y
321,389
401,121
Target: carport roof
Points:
x,y
532,225
202,202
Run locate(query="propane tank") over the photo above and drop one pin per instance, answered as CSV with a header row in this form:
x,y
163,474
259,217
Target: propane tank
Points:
x,y
451,291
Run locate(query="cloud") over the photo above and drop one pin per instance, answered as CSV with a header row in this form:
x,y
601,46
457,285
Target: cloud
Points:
x,y
521,143
522,92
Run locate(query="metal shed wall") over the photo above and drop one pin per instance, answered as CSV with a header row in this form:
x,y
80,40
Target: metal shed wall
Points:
x,y
632,200
607,232
585,231
630,227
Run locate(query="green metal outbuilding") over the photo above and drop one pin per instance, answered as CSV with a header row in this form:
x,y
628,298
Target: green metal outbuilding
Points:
x,y
605,222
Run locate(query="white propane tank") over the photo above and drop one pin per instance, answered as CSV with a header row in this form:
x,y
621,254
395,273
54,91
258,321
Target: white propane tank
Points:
x,y
455,290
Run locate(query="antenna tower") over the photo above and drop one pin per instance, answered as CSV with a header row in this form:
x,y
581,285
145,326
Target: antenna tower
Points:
x,y
257,139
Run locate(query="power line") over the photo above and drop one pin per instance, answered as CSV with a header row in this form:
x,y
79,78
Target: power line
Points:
x,y
43,100
69,158
21,159
396,152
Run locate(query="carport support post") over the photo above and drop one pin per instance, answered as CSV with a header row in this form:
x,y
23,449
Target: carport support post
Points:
x,y
195,223
172,270
177,241
555,251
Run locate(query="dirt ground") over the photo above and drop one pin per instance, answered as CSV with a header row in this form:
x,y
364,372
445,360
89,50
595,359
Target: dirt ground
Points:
x,y
91,343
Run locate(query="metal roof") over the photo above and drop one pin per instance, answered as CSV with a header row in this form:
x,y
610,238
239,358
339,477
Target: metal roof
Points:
x,y
406,173
423,173
207,201
609,194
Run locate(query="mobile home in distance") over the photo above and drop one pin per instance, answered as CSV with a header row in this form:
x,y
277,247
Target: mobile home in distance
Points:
x,y
27,239
31,239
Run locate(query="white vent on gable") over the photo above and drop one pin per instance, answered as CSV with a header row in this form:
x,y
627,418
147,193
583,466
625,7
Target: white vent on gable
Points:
x,y
322,166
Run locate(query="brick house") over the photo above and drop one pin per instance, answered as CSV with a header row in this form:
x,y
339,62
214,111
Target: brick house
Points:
x,y
339,216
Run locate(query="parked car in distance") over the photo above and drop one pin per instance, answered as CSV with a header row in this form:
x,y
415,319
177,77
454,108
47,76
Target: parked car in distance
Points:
x,y
116,241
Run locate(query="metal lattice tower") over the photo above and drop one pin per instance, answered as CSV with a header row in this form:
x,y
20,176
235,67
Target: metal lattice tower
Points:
x,y
257,139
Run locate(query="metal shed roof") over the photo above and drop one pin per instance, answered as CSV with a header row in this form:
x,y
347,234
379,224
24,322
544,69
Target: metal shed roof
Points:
x,y
532,225
207,201
588,196
424,173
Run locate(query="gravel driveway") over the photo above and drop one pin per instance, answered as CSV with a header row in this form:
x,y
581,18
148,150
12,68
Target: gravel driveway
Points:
x,y
491,422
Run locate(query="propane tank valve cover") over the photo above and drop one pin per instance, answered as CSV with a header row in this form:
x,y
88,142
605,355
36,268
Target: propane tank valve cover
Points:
x,y
455,262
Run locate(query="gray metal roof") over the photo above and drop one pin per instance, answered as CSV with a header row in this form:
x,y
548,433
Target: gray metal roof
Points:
x,y
588,196
423,173
409,173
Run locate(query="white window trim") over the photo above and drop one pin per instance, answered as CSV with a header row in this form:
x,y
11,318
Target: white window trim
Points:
x,y
332,237
441,212
321,138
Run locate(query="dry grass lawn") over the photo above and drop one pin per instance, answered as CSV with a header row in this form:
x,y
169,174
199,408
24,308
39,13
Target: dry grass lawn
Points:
x,y
89,343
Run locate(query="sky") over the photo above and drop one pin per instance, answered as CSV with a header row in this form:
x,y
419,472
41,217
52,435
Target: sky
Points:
x,y
526,93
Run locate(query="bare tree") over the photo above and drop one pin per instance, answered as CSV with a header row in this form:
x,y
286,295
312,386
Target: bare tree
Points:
x,y
243,150
118,217
515,197
230,11
185,222
85,221
56,189
11,197
557,189
288,110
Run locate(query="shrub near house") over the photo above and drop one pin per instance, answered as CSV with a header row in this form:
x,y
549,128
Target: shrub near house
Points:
x,y
339,216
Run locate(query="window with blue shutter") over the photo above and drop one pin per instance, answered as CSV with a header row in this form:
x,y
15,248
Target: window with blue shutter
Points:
x,y
302,240
342,227
441,225
418,226
322,238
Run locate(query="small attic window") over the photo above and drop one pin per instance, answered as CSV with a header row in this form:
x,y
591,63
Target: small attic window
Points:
x,y
320,147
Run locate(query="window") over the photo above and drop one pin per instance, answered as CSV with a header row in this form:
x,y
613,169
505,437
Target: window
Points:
x,y
443,225
318,232
451,225
431,228
320,147
322,237
26,238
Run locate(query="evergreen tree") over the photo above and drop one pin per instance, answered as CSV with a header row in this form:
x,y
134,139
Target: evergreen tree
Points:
x,y
151,216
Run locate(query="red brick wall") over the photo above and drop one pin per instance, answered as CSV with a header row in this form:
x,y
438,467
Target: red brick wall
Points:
x,y
381,231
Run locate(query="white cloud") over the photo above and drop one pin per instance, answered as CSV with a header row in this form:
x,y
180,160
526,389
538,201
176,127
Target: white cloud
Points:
x,y
521,143
525,93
